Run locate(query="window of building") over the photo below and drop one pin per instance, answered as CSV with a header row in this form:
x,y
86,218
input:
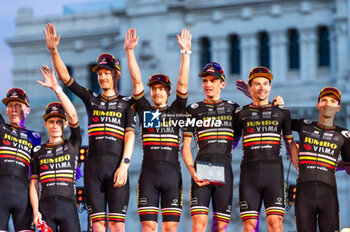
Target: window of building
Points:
x,y
323,47
293,49
235,53
264,51
205,52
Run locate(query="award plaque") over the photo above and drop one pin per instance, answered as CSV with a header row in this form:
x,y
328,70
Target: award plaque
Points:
x,y
212,172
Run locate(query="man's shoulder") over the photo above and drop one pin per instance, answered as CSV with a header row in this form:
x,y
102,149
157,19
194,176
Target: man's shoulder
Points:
x,y
343,131
194,106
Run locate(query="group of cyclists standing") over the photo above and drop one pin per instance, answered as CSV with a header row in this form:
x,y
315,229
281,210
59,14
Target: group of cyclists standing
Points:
x,y
111,133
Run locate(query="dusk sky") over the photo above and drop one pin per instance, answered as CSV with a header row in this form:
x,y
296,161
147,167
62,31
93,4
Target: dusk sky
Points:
x,y
8,11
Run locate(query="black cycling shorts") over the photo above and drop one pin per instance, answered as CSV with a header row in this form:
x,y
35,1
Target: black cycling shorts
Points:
x,y
60,215
14,200
221,197
261,182
98,180
160,181
315,200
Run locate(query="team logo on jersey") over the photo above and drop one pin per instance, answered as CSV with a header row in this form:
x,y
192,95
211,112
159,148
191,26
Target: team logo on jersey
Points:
x,y
307,121
126,98
194,106
37,148
44,167
6,142
36,135
151,119
346,133
238,109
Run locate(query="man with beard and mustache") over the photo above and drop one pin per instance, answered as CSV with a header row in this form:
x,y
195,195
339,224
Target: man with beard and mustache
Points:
x,y
111,131
262,126
16,150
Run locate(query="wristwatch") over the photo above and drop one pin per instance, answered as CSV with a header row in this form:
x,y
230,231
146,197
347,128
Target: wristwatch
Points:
x,y
126,160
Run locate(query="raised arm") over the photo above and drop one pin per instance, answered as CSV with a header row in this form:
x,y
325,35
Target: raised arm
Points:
x,y
131,41
184,41
52,41
51,82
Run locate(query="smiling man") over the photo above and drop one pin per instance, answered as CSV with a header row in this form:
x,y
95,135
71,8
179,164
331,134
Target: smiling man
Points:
x,y
261,180
16,149
111,131
321,143
160,145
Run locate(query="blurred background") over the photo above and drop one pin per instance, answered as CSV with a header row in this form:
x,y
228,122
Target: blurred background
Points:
x,y
306,44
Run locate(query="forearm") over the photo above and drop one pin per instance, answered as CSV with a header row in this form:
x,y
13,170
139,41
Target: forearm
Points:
x,y
135,72
182,83
292,150
34,195
187,155
129,144
67,105
60,67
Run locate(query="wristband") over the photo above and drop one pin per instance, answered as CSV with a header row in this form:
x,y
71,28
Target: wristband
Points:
x,y
58,90
187,52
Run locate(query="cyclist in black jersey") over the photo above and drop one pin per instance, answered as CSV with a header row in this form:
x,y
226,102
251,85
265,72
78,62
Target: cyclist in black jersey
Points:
x,y
215,141
263,126
321,143
16,150
160,145
111,131
54,164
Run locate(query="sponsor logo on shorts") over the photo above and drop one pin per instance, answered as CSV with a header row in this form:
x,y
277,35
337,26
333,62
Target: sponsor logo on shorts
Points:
x,y
243,205
143,201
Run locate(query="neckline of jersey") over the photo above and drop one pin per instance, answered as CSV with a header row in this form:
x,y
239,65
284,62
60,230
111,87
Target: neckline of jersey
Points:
x,y
318,124
109,98
55,144
212,102
261,106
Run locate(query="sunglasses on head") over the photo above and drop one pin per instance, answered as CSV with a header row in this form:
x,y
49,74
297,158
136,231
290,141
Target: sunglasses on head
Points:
x,y
214,65
259,70
159,77
105,56
108,57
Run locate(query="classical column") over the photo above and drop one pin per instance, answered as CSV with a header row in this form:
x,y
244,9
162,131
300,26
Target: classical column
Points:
x,y
308,54
279,52
341,47
249,53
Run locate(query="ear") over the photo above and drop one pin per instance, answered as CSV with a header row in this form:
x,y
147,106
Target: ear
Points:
x,y
222,84
317,105
45,123
65,124
27,110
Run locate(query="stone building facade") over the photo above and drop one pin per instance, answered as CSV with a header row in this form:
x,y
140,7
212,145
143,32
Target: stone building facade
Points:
x,y
306,44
